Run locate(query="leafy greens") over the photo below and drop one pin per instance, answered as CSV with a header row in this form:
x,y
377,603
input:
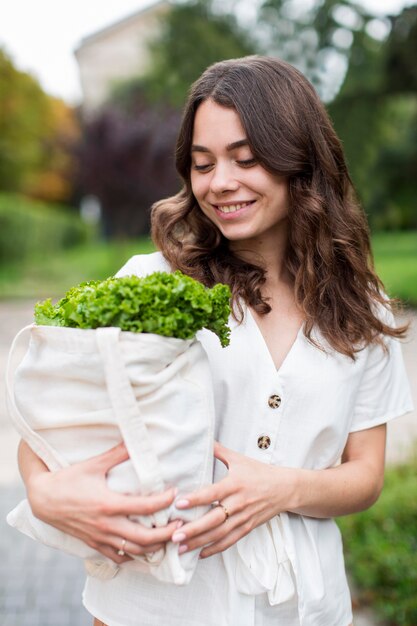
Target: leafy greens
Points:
x,y
168,304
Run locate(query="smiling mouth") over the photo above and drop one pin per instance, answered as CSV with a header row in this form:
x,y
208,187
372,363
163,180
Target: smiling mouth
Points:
x,y
232,208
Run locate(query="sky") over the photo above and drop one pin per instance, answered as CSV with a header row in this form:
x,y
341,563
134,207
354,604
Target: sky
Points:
x,y
41,35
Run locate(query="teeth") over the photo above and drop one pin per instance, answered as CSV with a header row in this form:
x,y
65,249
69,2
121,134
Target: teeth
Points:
x,y
232,208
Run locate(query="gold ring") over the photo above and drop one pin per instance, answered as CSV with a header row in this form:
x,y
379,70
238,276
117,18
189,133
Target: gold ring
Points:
x,y
122,552
226,512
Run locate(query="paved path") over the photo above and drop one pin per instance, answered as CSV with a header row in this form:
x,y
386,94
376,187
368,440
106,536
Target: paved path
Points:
x,y
42,587
38,586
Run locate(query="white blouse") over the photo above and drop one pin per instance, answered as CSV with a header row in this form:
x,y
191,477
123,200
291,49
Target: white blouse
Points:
x,y
297,416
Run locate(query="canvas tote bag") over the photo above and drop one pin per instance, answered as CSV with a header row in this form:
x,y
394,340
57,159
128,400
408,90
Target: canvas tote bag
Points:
x,y
77,393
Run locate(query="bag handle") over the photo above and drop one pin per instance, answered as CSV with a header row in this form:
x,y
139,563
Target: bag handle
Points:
x,y
127,413
42,448
124,404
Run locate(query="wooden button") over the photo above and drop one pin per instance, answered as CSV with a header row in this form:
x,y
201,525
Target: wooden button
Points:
x,y
264,442
274,401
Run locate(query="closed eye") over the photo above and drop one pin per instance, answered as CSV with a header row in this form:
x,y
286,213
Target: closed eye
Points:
x,y
242,163
247,162
202,168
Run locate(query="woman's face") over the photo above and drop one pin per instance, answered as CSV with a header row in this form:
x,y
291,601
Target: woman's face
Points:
x,y
237,194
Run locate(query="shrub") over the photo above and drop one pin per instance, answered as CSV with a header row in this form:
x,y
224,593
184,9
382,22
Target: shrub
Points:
x,y
381,549
127,162
31,228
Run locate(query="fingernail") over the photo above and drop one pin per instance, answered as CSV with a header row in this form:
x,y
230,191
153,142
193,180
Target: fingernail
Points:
x,y
178,537
174,491
179,524
182,549
182,503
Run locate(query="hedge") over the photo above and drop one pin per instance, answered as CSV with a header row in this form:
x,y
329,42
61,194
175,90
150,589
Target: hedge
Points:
x,y
381,549
31,228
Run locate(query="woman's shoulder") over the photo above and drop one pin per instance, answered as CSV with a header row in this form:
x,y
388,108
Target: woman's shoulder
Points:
x,y
144,264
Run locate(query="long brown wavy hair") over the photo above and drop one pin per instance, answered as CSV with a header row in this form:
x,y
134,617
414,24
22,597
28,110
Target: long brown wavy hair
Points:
x,y
328,252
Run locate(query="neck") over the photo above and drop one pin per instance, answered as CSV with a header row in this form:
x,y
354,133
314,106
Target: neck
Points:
x,y
267,250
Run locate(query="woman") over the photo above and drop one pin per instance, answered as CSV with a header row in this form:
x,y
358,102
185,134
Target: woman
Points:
x,y
313,372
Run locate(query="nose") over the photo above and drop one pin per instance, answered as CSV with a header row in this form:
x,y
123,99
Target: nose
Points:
x,y
223,179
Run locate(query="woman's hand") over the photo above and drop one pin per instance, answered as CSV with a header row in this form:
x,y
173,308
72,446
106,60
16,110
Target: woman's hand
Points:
x,y
77,501
251,494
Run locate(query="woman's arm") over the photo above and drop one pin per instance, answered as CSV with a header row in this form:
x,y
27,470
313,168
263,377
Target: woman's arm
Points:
x,y
77,501
254,492
352,486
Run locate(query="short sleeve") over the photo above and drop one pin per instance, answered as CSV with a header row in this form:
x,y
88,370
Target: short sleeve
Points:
x,y
131,268
144,264
384,392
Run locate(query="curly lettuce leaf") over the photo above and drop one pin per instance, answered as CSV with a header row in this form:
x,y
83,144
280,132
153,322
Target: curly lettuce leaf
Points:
x,y
168,304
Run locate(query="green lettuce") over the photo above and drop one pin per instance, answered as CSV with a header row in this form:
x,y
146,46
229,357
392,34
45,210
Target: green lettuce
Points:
x,y
168,304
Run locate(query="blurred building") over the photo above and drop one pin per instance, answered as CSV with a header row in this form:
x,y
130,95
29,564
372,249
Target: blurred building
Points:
x,y
116,52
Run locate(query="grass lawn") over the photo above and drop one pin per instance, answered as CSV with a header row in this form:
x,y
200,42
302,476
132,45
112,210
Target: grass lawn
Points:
x,y
51,276
395,259
396,263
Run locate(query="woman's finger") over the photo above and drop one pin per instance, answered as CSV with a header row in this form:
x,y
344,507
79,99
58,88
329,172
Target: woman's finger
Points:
x,y
208,529
133,549
112,554
200,541
204,496
200,527
222,453
122,504
224,542
145,537
110,458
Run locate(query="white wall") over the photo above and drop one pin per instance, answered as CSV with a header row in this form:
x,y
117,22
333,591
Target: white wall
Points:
x,y
117,52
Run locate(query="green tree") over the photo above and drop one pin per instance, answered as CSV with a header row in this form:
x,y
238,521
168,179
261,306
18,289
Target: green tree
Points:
x,y
401,66
375,113
319,38
23,115
369,79
398,159
36,135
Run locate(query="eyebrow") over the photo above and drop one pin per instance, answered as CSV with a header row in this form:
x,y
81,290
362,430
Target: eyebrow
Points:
x,y
229,147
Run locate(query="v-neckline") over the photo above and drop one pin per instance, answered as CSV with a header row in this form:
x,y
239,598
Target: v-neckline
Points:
x,y
284,362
